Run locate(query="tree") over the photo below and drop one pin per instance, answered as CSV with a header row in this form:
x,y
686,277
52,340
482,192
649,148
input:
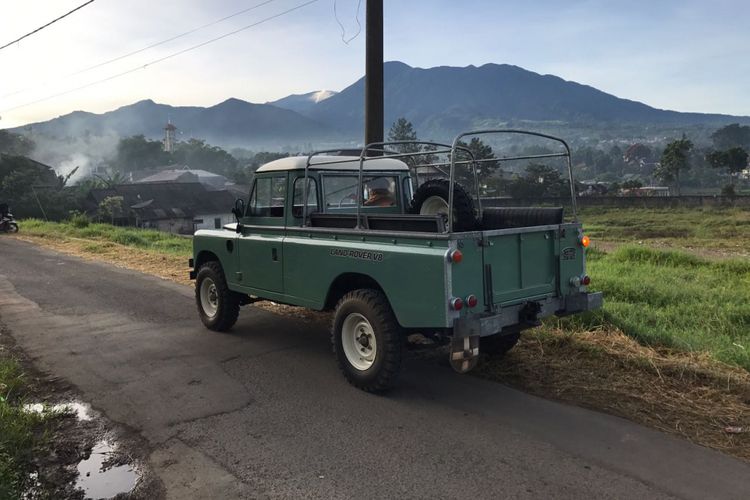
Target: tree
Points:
x,y
674,161
637,153
111,207
733,159
539,181
481,151
732,136
15,144
138,153
403,130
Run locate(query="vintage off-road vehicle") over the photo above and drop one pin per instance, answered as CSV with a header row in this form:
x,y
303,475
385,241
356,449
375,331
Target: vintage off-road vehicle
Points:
x,y
350,234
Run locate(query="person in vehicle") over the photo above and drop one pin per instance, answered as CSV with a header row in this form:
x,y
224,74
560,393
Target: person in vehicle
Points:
x,y
380,194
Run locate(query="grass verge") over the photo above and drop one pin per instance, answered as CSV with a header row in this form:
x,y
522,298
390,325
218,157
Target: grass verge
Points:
x,y
22,434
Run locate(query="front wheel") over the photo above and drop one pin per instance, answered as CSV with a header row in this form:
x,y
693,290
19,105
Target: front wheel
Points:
x,y
12,227
367,340
218,306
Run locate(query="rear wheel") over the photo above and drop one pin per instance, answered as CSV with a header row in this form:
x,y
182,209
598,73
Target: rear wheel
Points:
x,y
218,306
499,344
367,340
431,198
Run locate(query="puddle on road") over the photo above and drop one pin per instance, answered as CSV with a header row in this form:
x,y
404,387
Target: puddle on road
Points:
x,y
99,480
102,475
82,411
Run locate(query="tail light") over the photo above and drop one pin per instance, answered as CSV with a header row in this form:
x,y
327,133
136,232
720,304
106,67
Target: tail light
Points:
x,y
472,301
455,256
585,241
457,303
585,280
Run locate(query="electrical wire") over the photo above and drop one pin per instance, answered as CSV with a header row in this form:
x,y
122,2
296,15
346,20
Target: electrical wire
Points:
x,y
49,23
162,59
343,30
156,44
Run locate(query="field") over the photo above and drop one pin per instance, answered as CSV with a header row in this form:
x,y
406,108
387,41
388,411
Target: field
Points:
x,y
670,349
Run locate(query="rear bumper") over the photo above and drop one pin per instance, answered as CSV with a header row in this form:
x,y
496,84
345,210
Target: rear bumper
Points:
x,y
526,315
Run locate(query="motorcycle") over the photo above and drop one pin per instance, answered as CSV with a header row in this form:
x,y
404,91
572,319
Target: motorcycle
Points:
x,y
8,224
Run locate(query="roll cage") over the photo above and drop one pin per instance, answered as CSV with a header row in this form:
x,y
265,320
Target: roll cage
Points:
x,y
378,150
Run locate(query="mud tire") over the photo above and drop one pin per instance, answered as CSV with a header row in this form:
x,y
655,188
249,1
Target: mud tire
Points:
x,y
386,366
227,301
464,214
498,345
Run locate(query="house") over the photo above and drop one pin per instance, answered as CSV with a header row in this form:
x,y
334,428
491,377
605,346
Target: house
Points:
x,y
174,207
182,174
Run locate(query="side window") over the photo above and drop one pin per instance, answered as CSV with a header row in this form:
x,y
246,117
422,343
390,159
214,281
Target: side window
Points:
x,y
380,191
340,191
299,196
268,197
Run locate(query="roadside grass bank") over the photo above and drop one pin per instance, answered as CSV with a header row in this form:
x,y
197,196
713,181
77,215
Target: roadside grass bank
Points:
x,y
709,232
668,350
22,434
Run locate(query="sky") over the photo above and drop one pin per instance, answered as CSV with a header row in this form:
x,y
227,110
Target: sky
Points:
x,y
685,55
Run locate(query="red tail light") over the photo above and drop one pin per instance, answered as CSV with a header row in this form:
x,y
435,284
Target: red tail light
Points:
x,y
457,304
456,256
585,280
472,301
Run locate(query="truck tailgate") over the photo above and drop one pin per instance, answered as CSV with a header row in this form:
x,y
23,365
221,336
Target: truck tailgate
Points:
x,y
520,264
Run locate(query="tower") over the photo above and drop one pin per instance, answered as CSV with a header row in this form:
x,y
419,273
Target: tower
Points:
x,y
169,137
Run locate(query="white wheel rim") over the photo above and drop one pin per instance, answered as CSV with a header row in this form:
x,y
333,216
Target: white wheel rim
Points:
x,y
434,205
358,341
209,297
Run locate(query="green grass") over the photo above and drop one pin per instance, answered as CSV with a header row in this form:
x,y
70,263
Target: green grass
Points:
x,y
674,299
21,433
713,228
146,239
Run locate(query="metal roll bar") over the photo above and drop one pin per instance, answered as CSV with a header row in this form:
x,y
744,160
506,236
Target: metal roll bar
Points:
x,y
509,131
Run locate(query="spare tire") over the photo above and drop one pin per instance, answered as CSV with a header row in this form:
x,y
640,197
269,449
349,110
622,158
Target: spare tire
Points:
x,y
432,198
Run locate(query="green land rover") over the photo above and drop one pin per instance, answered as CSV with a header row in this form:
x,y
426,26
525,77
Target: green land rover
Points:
x,y
369,237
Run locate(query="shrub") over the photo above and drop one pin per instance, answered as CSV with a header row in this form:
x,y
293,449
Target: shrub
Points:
x,y
79,220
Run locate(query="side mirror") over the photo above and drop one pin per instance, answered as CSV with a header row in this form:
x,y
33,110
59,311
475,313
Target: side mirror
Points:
x,y
239,209
239,212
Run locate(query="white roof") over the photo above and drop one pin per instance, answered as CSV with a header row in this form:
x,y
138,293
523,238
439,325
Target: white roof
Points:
x,y
332,163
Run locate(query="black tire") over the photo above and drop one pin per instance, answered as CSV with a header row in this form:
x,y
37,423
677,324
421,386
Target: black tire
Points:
x,y
464,215
499,344
12,227
383,373
227,301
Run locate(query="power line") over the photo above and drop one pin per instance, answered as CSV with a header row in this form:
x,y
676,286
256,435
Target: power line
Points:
x,y
162,42
162,59
343,30
49,23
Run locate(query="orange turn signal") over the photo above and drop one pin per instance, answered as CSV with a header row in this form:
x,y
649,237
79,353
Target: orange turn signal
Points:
x,y
585,241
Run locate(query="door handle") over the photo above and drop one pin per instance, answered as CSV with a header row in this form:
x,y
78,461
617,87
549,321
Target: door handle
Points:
x,y
274,255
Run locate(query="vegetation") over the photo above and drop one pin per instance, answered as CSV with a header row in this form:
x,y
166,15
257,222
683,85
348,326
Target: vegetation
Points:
x,y
674,299
102,234
674,161
22,433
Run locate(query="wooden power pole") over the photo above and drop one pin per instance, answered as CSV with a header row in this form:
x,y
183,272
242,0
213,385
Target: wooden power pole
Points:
x,y
374,121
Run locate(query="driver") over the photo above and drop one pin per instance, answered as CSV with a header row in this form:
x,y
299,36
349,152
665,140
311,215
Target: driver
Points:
x,y
380,193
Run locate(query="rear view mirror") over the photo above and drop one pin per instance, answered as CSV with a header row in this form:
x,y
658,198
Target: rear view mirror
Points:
x,y
239,209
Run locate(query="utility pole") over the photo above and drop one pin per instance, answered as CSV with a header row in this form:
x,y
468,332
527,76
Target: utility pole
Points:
x,y
374,122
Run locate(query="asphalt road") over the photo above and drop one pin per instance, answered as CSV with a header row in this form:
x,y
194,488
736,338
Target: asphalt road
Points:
x,y
263,412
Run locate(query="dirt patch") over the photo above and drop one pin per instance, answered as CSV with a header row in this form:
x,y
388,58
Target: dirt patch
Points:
x,y
72,435
690,395
705,253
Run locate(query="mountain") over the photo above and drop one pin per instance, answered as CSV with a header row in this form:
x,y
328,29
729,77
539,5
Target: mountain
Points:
x,y
440,102
302,103
231,123
444,100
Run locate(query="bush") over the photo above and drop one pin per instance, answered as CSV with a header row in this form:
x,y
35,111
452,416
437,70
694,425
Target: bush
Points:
x,y
728,190
79,220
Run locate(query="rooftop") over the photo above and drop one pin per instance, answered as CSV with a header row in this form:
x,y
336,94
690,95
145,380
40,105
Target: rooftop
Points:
x,y
332,163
